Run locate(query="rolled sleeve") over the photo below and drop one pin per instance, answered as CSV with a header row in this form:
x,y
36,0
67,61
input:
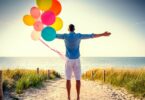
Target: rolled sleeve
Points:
x,y
60,36
86,36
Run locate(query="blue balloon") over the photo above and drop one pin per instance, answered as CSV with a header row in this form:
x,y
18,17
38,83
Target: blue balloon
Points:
x,y
48,33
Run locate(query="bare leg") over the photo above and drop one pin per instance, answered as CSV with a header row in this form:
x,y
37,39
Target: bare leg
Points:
x,y
78,85
68,86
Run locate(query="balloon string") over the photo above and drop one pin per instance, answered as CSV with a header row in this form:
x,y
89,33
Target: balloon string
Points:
x,y
56,51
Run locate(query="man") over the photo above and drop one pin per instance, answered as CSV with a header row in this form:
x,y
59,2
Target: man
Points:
x,y
72,44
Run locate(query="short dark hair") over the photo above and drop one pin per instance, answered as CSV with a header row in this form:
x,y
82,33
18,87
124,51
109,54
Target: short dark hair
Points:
x,y
71,27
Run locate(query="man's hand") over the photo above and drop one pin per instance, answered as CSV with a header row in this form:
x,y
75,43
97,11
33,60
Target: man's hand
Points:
x,y
106,34
103,34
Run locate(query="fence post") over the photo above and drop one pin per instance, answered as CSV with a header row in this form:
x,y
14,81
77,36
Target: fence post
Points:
x,y
104,73
48,72
37,70
92,75
1,89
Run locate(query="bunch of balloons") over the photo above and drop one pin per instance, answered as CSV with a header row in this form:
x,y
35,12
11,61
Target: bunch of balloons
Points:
x,y
44,19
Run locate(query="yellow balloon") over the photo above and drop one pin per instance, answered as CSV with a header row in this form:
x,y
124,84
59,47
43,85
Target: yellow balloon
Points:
x,y
58,24
28,20
44,4
35,35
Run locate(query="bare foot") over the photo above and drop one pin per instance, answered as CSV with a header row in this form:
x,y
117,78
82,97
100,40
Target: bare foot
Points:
x,y
68,98
78,98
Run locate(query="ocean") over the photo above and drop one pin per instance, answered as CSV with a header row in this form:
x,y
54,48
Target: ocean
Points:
x,y
58,64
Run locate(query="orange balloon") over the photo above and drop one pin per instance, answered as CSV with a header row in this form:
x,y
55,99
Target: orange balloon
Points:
x,y
28,20
56,7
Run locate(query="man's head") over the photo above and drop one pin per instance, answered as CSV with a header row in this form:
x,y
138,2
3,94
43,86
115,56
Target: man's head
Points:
x,y
71,28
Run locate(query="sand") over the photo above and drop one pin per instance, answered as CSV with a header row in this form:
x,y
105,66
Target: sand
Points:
x,y
55,90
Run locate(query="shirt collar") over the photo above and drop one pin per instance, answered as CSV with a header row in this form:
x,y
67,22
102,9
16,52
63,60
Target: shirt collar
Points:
x,y
72,32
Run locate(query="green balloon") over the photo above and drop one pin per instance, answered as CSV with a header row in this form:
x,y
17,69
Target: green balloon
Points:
x,y
48,33
44,4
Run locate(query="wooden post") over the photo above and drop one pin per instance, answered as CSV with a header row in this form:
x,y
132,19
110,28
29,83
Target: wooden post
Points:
x,y
37,70
1,89
48,72
92,75
104,75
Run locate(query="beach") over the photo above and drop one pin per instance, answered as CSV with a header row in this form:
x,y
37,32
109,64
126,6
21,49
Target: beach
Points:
x,y
99,41
55,90
91,89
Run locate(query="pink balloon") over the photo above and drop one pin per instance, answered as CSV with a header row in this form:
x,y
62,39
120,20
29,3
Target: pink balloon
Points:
x,y
48,18
38,26
35,12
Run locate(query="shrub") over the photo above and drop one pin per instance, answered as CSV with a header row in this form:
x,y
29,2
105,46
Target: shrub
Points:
x,y
131,79
20,79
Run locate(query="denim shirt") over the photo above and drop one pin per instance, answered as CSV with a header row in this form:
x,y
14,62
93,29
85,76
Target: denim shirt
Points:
x,y
72,43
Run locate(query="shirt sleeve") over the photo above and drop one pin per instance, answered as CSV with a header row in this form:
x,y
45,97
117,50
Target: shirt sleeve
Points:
x,y
60,36
86,36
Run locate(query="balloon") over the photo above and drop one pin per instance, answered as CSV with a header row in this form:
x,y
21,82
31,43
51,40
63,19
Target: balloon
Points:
x,y
56,7
38,26
35,12
35,35
28,20
48,18
48,34
44,4
58,24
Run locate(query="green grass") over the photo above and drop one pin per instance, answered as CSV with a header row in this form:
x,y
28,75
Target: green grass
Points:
x,y
132,80
19,79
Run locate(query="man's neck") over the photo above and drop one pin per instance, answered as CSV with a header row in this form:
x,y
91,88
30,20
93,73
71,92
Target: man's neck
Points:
x,y
72,32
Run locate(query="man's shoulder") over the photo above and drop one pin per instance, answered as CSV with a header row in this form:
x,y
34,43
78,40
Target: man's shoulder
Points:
x,y
75,34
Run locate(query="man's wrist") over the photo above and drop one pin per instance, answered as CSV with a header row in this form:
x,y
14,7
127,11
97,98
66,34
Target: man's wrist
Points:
x,y
102,34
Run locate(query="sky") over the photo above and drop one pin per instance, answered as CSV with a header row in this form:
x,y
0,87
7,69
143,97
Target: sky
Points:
x,y
125,19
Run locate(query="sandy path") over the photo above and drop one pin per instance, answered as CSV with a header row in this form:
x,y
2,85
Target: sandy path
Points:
x,y
55,90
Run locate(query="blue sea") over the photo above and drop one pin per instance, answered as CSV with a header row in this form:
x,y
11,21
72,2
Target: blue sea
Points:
x,y
58,64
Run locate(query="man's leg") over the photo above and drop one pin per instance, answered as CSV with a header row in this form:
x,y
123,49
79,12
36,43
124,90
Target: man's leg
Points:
x,y
78,85
68,86
77,73
68,72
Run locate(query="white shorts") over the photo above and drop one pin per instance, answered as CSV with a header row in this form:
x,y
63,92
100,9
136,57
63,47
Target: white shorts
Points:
x,y
73,65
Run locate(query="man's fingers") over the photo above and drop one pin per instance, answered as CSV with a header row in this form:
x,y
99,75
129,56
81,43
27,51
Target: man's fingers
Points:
x,y
106,33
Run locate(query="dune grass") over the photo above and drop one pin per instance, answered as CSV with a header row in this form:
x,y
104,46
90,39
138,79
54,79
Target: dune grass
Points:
x,y
19,79
132,80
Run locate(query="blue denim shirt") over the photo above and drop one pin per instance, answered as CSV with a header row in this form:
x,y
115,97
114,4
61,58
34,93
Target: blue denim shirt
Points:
x,y
72,43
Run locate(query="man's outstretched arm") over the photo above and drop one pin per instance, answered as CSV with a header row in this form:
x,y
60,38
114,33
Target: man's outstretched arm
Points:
x,y
93,35
60,36
100,35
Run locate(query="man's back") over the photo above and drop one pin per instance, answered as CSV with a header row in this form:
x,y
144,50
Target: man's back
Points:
x,y
72,43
